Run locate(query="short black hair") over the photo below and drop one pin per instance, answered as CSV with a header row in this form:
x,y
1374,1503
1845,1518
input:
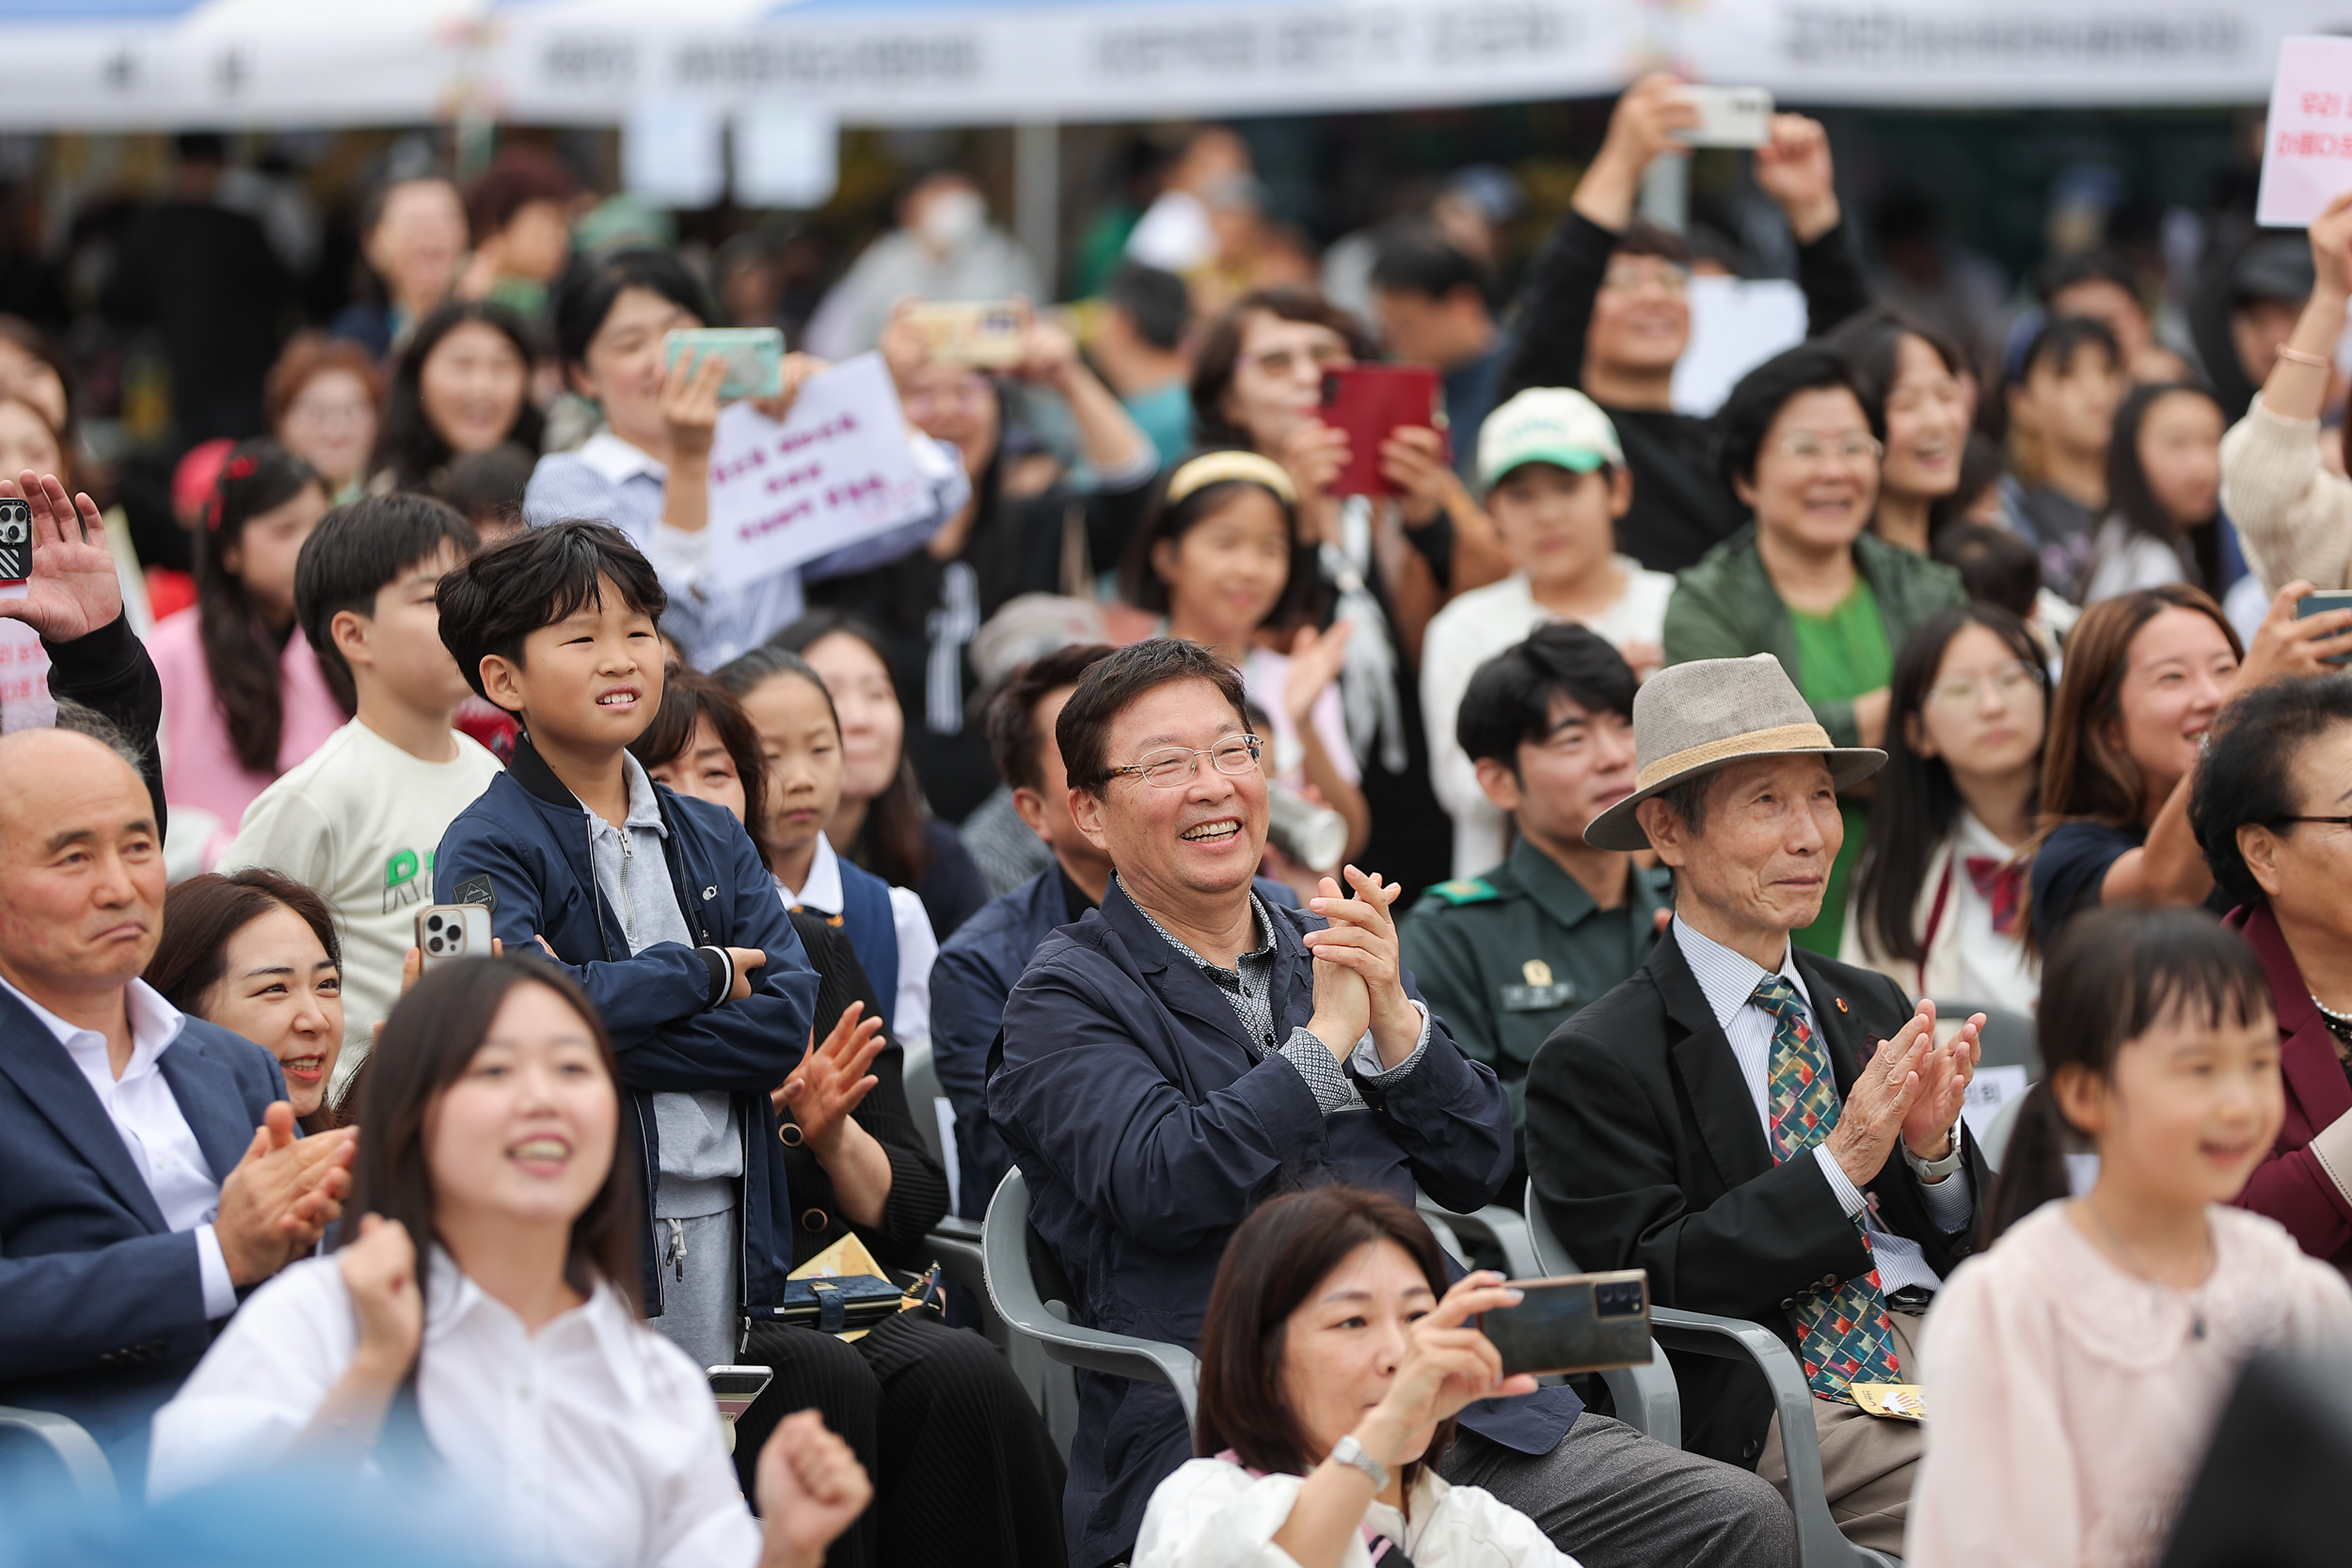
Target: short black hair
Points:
x,y
487,486
1155,300
356,551
1114,684
1508,702
2099,264
542,575
2061,340
1013,740
1417,259
1995,565
592,284
2246,777
1747,415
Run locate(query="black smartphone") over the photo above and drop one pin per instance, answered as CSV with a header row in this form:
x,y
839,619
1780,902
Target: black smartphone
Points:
x,y
1579,1322
16,540
2317,603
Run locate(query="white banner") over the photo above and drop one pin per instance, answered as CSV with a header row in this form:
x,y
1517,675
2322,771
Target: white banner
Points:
x,y
836,471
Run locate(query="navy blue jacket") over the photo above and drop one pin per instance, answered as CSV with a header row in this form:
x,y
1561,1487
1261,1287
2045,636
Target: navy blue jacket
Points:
x,y
523,849
102,1306
1148,1127
975,974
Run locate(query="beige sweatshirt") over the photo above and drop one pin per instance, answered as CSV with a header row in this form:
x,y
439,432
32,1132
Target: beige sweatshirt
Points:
x,y
2294,517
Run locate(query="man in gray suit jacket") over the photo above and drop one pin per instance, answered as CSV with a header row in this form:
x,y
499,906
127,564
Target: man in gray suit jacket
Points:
x,y
149,1172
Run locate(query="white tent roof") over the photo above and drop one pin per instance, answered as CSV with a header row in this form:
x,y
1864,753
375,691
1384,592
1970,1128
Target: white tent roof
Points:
x,y
162,63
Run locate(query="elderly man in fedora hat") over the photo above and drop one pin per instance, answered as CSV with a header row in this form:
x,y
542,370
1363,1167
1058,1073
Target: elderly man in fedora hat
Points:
x,y
1772,1136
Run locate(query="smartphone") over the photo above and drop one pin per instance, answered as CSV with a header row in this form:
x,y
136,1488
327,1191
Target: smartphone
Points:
x,y
1371,401
1728,117
446,931
755,358
1578,1322
987,335
16,540
736,1387
2312,603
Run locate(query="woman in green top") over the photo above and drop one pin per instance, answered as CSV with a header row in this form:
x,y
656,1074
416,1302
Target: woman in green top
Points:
x,y
1804,582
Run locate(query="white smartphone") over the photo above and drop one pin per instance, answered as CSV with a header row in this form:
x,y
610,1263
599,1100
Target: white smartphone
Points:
x,y
1728,117
446,931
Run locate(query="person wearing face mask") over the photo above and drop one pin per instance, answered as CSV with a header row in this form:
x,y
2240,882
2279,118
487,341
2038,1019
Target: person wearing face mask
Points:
x,y
1603,310
1908,377
1936,896
463,385
943,247
412,232
2146,674
648,471
1806,581
2164,481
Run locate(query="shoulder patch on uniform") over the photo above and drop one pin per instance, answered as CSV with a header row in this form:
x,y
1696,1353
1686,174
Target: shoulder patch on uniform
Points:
x,y
477,890
1465,889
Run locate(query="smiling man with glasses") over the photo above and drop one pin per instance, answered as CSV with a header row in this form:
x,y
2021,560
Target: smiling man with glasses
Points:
x,y
1188,1049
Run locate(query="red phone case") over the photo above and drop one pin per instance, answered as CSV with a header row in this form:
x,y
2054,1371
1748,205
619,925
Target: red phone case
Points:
x,y
1370,401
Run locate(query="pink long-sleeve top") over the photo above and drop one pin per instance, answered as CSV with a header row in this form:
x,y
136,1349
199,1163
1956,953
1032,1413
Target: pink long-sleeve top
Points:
x,y
2069,1401
201,766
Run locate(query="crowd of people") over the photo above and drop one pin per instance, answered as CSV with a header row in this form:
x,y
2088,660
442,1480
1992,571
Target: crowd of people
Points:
x,y
1641,816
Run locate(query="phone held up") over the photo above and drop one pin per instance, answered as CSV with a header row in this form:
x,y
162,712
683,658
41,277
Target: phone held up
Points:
x,y
1728,117
985,335
2319,603
1579,1322
16,540
753,356
446,931
1370,402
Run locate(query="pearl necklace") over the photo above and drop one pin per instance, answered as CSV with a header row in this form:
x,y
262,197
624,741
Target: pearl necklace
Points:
x,y
2339,1024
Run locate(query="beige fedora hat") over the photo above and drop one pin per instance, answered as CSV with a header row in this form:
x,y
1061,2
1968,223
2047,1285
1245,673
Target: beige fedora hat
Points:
x,y
1691,717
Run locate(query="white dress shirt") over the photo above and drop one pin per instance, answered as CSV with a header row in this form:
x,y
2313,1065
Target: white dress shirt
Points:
x,y
593,1442
1729,981
1213,1511
144,1110
910,1010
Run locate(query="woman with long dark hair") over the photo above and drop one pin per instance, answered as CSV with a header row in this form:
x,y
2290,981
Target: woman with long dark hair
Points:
x,y
462,385
477,1325
1938,899
2164,491
243,696
1908,377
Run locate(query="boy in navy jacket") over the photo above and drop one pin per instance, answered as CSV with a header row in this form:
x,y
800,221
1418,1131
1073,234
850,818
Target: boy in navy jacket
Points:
x,y
656,903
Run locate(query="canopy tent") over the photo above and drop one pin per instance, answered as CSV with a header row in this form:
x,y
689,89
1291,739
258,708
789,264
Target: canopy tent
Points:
x,y
98,64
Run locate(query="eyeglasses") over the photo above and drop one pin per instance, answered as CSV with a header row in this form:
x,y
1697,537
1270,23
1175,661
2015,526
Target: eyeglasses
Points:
x,y
2331,821
1173,767
1281,362
2011,682
1803,446
1673,276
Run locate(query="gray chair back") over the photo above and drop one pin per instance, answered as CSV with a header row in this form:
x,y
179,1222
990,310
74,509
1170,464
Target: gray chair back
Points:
x,y
44,1444
921,1077
2007,1039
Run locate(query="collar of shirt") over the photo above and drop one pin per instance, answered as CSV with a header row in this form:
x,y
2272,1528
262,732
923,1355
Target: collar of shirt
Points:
x,y
644,807
1728,979
1557,894
451,1299
822,891
154,1024
617,462
1260,923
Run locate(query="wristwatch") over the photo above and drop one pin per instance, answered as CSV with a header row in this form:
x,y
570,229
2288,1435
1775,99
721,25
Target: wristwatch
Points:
x,y
1936,1170
1350,1452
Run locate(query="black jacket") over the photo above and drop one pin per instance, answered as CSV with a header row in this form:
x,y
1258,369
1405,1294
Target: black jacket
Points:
x,y
109,672
1645,1148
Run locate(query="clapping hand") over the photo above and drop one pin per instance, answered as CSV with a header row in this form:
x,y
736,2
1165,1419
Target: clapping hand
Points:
x,y
1362,937
1944,1074
811,1488
282,1195
832,1078
73,590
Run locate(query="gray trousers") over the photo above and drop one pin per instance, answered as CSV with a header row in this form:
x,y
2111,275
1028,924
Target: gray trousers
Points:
x,y
1613,1498
702,1313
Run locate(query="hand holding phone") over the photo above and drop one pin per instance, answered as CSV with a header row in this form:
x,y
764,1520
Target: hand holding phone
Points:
x,y
446,931
987,335
754,356
1579,1322
1728,117
1448,1363
2323,601
1368,402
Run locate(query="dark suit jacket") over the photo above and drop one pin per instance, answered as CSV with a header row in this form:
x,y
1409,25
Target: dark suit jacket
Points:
x,y
102,1306
1645,1147
2292,1186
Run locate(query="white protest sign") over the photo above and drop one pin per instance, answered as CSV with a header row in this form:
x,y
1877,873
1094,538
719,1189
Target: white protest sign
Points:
x,y
1988,1091
2307,146
836,471
1736,324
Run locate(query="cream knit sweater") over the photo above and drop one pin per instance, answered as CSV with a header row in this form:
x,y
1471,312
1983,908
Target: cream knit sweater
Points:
x,y
2294,517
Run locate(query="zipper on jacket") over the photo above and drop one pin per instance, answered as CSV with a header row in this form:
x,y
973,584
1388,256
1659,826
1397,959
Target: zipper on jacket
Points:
x,y
628,895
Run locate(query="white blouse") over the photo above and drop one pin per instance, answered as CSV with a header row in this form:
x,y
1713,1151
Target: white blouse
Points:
x,y
1215,1514
591,1442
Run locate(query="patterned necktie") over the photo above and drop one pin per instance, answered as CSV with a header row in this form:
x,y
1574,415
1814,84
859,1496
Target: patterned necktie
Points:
x,y
1843,1336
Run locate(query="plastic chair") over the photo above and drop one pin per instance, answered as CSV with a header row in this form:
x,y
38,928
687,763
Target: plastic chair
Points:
x,y
921,1076
1494,1224
1029,1292
1820,1543
2007,1039
1994,1141
61,1441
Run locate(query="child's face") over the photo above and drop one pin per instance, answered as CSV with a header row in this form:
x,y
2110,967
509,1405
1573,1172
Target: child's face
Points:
x,y
872,726
1558,525
262,559
2073,405
2190,1110
804,758
403,646
592,681
704,769
2179,451
1226,572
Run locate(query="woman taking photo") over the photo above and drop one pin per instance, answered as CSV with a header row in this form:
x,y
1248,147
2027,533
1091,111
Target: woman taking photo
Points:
x,y
2269,814
243,696
2164,481
462,385
1937,895
883,824
322,406
1222,562
648,470
478,1326
1333,1360
256,953
1804,580
1909,379
2146,675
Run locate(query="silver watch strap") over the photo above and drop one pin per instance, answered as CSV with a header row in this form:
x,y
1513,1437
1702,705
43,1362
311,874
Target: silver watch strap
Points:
x,y
1350,1452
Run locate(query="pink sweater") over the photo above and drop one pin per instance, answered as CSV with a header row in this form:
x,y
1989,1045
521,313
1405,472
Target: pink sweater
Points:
x,y
2069,1403
201,766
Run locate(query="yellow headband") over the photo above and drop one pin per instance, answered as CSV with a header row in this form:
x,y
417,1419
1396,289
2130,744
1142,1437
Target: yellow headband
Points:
x,y
1218,467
